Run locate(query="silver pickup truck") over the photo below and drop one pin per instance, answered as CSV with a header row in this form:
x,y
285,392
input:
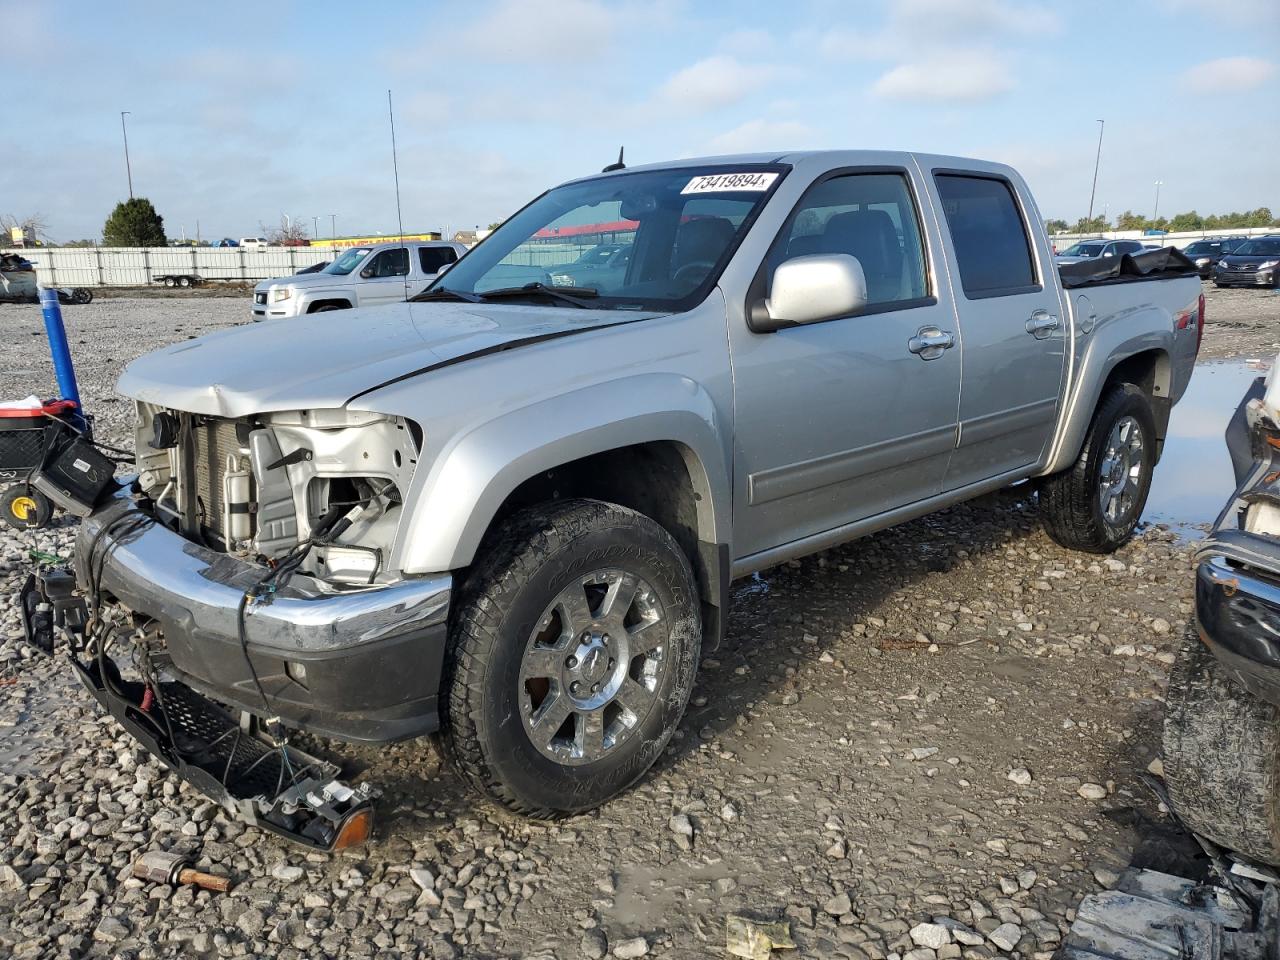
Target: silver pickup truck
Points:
x,y
511,509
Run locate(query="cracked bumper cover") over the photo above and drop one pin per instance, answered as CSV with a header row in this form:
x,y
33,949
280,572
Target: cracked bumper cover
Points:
x,y
359,665
1238,613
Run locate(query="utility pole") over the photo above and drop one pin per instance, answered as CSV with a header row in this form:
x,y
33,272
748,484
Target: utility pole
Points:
x,y
315,228
1097,159
127,168
333,226
1155,214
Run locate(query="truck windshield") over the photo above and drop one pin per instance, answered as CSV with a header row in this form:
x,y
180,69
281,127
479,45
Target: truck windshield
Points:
x,y
680,225
348,261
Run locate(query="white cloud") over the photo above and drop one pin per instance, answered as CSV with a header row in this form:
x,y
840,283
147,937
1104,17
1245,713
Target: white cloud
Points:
x,y
712,83
763,135
951,77
516,31
1234,73
951,18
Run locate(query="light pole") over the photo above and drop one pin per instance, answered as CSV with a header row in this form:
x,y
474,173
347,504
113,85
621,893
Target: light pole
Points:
x,y
127,168
1155,214
315,227
1097,159
333,226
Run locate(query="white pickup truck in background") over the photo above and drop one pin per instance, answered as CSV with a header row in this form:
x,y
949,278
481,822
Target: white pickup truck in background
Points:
x,y
362,277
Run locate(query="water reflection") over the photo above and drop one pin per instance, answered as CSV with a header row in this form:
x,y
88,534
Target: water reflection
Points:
x,y
1194,477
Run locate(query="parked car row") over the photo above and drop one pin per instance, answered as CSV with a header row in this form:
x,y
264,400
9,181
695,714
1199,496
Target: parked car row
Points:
x,y
1228,261
1253,263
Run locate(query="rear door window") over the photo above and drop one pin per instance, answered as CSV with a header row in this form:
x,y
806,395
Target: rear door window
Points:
x,y
433,258
993,251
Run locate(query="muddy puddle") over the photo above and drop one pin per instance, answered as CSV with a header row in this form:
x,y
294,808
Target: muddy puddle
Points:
x,y
1194,478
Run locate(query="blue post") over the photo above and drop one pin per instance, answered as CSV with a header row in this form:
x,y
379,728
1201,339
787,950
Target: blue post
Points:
x,y
58,346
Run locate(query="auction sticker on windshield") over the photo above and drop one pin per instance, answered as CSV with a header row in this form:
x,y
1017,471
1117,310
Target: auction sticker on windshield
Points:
x,y
725,182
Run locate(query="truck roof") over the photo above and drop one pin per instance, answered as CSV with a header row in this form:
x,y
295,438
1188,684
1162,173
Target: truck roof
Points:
x,y
834,158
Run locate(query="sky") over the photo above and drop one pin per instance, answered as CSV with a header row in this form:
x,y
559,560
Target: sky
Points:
x,y
241,113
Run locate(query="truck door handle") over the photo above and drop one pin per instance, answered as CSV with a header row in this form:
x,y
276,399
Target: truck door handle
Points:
x,y
929,342
1042,323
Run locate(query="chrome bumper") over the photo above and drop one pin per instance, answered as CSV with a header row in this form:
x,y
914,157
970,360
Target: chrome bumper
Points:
x,y
1238,613
361,665
160,574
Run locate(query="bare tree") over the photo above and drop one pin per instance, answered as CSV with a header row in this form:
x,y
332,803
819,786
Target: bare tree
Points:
x,y
292,230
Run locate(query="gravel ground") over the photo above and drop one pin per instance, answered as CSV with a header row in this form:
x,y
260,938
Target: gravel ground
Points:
x,y
946,720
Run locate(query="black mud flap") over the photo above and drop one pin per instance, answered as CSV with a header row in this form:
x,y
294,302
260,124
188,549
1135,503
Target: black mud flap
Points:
x,y
277,788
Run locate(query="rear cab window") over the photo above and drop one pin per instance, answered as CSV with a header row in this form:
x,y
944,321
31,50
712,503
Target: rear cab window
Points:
x,y
433,258
988,234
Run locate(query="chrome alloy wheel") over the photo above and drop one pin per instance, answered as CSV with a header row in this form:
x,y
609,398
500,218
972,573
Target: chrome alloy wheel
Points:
x,y
593,665
1120,473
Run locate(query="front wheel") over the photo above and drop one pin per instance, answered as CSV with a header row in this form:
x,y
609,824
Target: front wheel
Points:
x,y
1095,504
572,655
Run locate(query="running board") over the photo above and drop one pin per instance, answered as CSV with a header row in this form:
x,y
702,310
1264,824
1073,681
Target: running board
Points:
x,y
270,785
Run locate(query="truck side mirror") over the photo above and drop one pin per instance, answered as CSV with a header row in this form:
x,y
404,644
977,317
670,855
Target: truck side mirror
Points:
x,y
367,272
440,270
809,289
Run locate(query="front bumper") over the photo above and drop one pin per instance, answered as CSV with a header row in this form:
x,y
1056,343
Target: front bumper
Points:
x,y
1238,613
1258,278
360,665
265,309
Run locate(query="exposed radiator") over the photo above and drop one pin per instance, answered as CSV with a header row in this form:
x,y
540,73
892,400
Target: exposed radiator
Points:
x,y
214,442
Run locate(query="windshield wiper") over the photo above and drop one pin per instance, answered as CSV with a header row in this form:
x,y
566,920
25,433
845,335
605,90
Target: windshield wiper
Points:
x,y
444,293
538,288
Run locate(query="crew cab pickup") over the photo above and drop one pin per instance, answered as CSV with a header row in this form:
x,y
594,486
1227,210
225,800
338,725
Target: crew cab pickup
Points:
x,y
360,277
512,512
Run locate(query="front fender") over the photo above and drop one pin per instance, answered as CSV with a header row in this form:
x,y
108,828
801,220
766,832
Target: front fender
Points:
x,y
478,469
1114,339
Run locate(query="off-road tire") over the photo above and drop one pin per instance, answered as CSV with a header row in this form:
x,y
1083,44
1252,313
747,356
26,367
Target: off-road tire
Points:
x,y
1069,502
523,566
1222,756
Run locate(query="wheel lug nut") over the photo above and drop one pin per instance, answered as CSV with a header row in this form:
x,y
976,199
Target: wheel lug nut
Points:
x,y
571,662
575,686
611,663
595,687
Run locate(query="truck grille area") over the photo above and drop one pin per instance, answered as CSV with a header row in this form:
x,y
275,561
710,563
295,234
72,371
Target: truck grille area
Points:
x,y
213,442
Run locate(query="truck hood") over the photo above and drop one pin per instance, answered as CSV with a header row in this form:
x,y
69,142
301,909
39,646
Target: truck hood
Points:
x,y
303,281
322,360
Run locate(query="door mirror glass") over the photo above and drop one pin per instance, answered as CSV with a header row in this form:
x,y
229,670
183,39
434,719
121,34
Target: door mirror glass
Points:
x,y
818,287
367,272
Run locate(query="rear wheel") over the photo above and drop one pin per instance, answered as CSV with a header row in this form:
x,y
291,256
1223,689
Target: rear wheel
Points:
x,y
572,656
170,282
25,509
1222,755
184,281
1095,504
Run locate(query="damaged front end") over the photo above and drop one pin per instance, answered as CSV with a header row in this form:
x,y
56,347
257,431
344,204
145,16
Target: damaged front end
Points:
x,y
239,588
1238,565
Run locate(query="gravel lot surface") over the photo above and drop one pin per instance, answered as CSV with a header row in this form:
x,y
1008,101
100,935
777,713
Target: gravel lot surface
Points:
x,y
947,720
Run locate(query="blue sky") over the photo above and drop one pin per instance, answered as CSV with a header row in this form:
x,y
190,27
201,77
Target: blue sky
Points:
x,y
242,112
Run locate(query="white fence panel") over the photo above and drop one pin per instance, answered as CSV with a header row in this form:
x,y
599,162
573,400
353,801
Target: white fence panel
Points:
x,y
139,266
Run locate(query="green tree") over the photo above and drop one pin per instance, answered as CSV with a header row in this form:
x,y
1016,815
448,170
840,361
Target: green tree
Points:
x,y
134,223
1131,221
1096,225
1186,221
1056,226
